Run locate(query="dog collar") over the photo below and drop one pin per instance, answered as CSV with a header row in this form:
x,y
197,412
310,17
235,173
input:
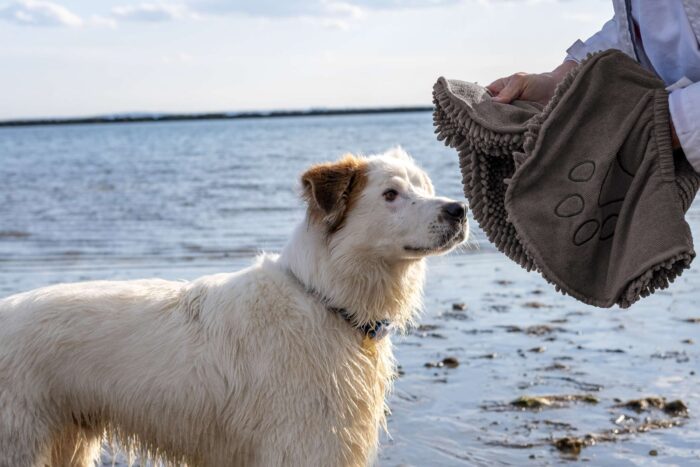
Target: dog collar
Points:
x,y
375,330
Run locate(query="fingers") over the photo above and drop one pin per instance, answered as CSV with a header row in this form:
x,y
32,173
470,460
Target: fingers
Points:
x,y
512,90
497,86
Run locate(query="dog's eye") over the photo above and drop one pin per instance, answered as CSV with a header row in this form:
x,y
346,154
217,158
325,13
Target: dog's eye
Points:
x,y
390,195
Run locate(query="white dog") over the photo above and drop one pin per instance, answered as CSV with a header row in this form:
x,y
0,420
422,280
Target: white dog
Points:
x,y
281,364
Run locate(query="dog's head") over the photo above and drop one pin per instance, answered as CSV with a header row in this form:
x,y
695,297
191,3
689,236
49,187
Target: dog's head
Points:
x,y
384,206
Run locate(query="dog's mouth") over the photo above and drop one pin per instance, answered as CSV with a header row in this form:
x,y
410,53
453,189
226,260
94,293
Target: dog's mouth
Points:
x,y
447,241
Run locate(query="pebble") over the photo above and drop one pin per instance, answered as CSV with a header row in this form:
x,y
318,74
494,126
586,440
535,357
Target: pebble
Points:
x,y
448,362
676,408
490,356
569,444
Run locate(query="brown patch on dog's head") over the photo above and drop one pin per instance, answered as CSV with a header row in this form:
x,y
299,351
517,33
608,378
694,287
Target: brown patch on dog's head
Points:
x,y
331,188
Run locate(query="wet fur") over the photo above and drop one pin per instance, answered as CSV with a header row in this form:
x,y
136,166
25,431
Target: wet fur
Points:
x,y
243,369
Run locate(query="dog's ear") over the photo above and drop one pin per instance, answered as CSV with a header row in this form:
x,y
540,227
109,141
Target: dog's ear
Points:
x,y
330,189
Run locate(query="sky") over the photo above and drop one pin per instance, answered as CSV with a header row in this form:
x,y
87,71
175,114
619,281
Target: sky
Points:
x,y
84,57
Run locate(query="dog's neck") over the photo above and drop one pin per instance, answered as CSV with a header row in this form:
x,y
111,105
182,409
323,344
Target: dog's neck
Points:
x,y
369,288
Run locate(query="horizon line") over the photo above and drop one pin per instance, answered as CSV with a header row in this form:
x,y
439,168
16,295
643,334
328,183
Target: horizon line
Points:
x,y
142,117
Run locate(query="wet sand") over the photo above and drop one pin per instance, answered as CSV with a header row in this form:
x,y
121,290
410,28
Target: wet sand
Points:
x,y
542,379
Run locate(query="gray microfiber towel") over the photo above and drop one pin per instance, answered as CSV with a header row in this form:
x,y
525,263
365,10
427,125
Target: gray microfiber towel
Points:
x,y
586,190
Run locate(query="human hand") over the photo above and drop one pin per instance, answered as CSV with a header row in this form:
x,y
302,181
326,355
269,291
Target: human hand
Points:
x,y
534,87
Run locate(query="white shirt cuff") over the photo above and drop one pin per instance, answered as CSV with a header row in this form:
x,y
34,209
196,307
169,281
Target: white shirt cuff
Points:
x,y
684,106
576,52
606,38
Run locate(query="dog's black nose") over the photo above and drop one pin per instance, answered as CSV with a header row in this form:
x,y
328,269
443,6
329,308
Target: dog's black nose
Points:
x,y
455,211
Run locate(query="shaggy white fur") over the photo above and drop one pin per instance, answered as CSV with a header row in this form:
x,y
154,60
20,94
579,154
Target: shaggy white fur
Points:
x,y
247,368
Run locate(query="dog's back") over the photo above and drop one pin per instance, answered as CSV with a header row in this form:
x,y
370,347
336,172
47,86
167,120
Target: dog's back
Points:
x,y
232,369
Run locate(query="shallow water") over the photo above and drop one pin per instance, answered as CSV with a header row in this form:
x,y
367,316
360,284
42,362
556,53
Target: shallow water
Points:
x,y
179,200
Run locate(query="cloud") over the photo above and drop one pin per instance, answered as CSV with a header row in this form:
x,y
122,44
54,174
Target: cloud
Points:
x,y
334,14
332,9
331,14
100,21
152,12
39,13
345,9
402,4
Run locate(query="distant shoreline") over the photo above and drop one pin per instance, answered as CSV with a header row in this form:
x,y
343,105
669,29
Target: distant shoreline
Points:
x,y
107,119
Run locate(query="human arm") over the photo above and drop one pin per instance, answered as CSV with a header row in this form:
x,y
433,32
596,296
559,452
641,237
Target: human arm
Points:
x,y
540,87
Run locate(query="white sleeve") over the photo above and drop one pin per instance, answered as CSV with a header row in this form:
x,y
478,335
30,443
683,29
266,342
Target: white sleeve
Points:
x,y
684,105
606,38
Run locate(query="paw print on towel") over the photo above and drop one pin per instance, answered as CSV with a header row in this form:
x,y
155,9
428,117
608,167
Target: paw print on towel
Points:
x,y
595,205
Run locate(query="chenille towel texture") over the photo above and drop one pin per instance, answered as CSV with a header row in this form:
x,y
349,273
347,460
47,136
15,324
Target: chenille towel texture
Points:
x,y
586,190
